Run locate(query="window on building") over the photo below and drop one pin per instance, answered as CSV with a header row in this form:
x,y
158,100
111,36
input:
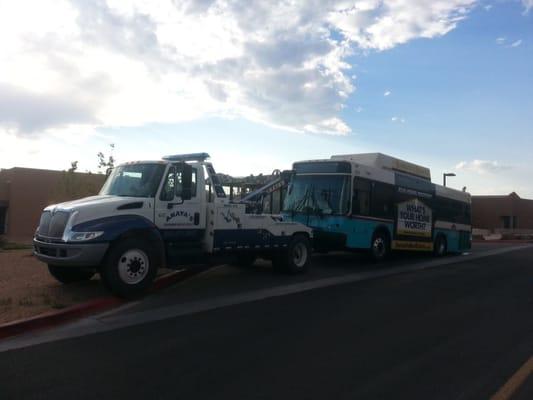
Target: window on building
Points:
x,y
3,215
506,222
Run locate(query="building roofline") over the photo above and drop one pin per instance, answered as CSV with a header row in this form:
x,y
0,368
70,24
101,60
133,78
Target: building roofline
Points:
x,y
47,170
500,196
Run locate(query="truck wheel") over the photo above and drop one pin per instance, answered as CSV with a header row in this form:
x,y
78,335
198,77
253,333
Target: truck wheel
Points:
x,y
130,267
380,248
70,274
440,247
296,258
244,260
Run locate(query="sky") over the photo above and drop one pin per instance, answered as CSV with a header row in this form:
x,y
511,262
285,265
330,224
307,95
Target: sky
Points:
x,y
259,84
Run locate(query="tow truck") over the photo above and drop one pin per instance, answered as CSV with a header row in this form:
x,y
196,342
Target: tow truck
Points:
x,y
152,214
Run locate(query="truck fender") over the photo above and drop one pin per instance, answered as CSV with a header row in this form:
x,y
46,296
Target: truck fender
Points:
x,y
119,227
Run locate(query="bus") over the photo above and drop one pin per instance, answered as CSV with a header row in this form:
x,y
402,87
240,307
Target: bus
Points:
x,y
378,203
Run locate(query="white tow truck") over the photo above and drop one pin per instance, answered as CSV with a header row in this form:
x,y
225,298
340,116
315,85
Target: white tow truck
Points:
x,y
151,214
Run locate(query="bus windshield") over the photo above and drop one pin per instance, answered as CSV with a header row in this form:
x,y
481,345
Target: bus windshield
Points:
x,y
318,194
134,180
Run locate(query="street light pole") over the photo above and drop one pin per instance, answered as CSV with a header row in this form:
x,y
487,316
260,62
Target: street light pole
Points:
x,y
444,175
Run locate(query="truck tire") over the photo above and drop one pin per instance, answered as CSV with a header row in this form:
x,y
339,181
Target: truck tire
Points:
x,y
380,247
70,274
294,260
130,267
440,247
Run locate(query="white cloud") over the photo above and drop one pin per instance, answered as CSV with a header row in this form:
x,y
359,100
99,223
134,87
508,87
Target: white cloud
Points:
x,y
481,166
488,7
500,40
73,63
528,5
398,119
516,43
358,109
387,93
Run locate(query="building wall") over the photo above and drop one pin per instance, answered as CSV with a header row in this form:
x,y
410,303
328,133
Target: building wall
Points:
x,y
27,191
487,212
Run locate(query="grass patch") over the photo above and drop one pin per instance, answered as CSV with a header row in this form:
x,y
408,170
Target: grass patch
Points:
x,y
47,300
5,245
26,302
16,246
52,302
6,301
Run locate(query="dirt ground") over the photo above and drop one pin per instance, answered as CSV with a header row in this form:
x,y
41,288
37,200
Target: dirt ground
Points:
x,y
27,289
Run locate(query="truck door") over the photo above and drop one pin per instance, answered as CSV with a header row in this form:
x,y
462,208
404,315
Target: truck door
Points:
x,y
179,209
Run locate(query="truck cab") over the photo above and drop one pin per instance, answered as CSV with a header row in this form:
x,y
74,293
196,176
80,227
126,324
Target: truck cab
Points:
x,y
151,214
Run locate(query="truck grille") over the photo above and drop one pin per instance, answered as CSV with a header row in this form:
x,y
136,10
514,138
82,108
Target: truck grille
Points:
x,y
53,225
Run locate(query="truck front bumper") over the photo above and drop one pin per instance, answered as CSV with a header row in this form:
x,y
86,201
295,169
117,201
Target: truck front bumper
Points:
x,y
70,254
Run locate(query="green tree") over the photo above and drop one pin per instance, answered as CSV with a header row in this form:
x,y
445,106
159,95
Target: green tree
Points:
x,y
106,163
73,166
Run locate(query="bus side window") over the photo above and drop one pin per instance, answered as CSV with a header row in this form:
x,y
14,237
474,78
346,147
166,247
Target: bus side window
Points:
x,y
382,200
467,214
361,197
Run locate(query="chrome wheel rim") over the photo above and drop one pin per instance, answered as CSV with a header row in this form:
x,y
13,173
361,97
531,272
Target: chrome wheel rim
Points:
x,y
299,254
379,247
133,266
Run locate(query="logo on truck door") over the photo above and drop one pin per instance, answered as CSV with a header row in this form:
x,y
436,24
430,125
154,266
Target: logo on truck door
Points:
x,y
231,217
414,219
185,215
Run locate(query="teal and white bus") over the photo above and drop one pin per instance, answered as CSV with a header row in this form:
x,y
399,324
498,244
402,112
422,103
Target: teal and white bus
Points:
x,y
379,203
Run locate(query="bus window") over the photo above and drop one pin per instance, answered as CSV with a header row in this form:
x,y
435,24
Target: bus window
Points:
x,y
361,197
382,200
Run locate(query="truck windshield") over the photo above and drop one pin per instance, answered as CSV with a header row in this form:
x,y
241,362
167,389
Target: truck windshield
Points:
x,y
318,194
135,180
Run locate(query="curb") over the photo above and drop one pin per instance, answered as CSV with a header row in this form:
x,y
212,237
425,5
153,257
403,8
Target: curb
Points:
x,y
53,318
503,241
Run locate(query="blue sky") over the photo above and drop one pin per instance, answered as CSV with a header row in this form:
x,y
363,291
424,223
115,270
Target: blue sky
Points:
x,y
446,84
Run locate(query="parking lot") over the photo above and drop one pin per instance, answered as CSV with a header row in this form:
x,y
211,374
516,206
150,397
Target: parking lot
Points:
x,y
457,327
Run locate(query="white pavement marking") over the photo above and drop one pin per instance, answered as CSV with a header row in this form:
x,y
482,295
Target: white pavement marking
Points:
x,y
111,321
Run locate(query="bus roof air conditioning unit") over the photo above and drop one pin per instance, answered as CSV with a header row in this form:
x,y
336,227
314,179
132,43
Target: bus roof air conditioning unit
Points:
x,y
383,161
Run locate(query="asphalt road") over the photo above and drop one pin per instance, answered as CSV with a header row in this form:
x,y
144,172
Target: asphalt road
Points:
x,y
410,329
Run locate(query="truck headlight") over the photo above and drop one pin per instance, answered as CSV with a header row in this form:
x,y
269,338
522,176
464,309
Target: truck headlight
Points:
x,y
83,236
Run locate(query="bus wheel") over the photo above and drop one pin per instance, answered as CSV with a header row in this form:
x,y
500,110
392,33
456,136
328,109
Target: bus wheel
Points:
x,y
440,247
130,267
296,258
380,246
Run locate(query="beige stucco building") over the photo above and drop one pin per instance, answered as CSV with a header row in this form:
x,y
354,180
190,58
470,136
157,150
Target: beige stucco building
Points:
x,y
24,192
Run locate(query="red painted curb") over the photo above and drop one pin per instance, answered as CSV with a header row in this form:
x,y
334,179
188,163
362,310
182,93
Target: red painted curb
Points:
x,y
54,318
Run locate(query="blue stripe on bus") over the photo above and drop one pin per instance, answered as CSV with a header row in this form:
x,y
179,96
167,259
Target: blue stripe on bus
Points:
x,y
457,241
358,231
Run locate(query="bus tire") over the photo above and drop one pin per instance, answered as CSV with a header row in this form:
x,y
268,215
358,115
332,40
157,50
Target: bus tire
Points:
x,y
440,247
294,260
70,274
380,246
130,267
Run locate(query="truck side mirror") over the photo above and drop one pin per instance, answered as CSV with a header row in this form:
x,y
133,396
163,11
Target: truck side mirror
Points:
x,y
186,180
